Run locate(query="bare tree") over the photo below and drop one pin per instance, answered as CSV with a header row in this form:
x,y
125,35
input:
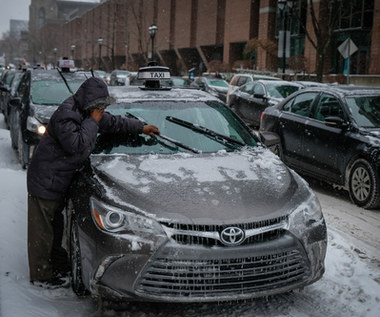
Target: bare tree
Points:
x,y
323,27
140,22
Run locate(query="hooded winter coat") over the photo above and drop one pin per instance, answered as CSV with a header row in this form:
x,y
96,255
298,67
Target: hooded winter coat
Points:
x,y
70,139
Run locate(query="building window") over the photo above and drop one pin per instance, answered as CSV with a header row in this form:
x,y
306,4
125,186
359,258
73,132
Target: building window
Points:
x,y
355,22
41,17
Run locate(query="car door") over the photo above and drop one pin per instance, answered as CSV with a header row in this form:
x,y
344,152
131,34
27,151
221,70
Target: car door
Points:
x,y
292,121
255,103
324,146
240,102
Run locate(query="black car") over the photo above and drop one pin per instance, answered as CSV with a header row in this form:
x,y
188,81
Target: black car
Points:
x,y
333,134
5,84
217,87
10,92
251,99
201,212
39,94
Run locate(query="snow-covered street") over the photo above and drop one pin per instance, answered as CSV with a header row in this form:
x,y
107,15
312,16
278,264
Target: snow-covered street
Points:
x,y
349,287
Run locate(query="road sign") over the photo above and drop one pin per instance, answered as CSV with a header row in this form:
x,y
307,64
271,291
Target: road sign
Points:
x,y
347,48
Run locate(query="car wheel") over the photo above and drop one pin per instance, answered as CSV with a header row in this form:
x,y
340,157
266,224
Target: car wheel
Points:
x,y
75,259
23,150
364,185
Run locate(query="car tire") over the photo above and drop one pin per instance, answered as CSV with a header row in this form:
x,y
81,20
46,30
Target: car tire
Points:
x,y
75,259
364,185
23,150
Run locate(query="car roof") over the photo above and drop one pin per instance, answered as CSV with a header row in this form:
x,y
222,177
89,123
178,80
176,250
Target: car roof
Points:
x,y
278,82
345,90
135,93
257,76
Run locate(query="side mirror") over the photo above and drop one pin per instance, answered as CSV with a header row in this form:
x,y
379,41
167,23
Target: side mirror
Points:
x,y
269,138
260,96
335,122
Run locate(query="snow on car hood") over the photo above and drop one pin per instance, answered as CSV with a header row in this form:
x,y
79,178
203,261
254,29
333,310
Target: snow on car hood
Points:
x,y
210,188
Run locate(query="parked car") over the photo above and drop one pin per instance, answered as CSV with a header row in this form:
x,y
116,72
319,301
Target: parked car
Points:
x,y
214,86
39,94
120,77
5,84
201,212
9,92
332,134
250,100
239,80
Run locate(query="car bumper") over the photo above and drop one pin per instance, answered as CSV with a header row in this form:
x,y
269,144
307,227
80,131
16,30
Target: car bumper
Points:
x,y
172,272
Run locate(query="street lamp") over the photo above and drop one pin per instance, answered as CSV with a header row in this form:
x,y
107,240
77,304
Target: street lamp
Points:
x,y
55,55
285,7
72,51
152,32
100,42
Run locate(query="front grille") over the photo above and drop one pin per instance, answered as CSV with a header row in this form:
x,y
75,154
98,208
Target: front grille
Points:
x,y
211,278
209,235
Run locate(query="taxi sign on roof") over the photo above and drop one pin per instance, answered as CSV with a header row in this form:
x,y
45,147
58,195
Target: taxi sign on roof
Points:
x,y
154,73
66,63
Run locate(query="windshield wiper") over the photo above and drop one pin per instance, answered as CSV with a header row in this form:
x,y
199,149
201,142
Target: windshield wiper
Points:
x,y
163,137
197,128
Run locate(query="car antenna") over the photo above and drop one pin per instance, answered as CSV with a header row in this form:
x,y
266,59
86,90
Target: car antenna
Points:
x,y
64,79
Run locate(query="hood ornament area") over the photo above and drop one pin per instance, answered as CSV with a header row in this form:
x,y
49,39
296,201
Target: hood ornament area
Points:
x,y
232,236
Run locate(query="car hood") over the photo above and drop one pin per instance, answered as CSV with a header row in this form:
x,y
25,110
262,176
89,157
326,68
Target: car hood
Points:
x,y
218,188
43,113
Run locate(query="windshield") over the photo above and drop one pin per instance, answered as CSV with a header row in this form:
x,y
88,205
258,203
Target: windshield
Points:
x,y
365,110
50,89
281,91
213,115
217,83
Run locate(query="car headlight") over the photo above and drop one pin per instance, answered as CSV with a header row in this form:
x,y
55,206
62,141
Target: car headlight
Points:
x,y
307,215
113,219
33,125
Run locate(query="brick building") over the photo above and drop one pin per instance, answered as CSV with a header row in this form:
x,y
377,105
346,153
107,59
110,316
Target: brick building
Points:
x,y
213,35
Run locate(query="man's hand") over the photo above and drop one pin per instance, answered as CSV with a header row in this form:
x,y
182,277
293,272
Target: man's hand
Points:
x,y
150,130
97,114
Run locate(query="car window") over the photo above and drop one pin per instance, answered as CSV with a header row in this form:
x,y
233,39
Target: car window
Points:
x,y
328,106
281,91
52,92
301,104
247,88
259,89
242,80
365,110
213,115
217,82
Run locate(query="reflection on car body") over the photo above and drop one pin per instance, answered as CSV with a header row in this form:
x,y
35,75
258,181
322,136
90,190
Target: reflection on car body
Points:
x,y
333,134
200,213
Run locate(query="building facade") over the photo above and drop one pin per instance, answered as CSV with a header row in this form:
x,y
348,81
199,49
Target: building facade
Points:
x,y
214,35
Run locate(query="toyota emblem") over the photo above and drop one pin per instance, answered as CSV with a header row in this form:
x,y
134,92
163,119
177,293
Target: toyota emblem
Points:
x,y
232,236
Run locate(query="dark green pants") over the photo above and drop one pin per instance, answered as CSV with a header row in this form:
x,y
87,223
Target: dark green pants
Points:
x,y
45,231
